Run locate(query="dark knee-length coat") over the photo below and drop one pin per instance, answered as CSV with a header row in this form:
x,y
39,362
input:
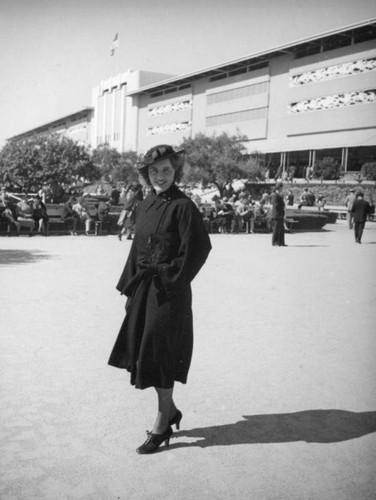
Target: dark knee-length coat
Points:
x,y
169,248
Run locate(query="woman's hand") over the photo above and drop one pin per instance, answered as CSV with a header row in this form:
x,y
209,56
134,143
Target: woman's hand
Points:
x,y
148,273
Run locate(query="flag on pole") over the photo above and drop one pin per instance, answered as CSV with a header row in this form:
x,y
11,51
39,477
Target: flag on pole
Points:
x,y
114,44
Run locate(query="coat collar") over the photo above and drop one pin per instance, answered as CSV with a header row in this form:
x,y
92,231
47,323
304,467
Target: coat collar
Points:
x,y
172,193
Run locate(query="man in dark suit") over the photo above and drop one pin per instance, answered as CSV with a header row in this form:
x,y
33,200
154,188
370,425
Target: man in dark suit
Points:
x,y
360,211
278,216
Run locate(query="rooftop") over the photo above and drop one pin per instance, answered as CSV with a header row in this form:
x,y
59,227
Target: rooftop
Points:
x,y
329,40
77,115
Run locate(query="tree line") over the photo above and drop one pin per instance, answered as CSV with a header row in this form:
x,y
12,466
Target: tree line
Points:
x,y
25,165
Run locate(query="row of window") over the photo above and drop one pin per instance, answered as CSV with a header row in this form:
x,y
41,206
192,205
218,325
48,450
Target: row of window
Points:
x,y
165,109
351,158
107,138
330,72
333,101
169,128
335,42
115,88
171,90
239,71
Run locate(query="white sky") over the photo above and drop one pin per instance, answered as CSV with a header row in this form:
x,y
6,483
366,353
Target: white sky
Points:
x,y
53,52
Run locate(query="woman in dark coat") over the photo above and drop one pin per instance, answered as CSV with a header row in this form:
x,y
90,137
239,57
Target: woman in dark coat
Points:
x,y
169,248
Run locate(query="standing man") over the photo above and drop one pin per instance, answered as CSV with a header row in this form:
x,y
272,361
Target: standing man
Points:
x,y
350,198
360,211
278,216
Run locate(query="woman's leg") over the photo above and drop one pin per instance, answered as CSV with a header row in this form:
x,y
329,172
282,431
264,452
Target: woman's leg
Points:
x,y
121,232
356,231
46,224
162,429
75,222
166,410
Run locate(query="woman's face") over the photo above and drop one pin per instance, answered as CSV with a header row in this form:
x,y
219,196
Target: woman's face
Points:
x,y
161,175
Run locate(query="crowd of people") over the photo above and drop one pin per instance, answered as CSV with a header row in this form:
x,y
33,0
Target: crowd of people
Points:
x,y
30,212
232,215
240,212
27,212
127,197
233,212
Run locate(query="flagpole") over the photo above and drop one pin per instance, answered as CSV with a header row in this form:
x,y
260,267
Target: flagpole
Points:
x,y
117,61
114,52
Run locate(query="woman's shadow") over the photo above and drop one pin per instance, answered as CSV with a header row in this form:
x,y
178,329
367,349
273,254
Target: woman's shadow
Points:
x,y
312,426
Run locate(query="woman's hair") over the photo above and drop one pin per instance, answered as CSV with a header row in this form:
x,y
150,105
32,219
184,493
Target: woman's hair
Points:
x,y
177,163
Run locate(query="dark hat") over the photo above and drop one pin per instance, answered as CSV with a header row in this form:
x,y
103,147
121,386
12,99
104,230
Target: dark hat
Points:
x,y
158,153
360,193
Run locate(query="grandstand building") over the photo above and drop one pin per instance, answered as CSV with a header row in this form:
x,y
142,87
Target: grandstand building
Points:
x,y
76,126
296,103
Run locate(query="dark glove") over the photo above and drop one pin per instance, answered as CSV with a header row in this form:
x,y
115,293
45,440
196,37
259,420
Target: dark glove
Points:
x,y
148,273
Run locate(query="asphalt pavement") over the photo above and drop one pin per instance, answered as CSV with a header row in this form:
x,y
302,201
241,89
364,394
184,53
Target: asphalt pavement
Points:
x,y
281,398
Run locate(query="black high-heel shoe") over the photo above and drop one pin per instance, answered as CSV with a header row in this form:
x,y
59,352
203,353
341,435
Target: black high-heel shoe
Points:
x,y
176,419
154,441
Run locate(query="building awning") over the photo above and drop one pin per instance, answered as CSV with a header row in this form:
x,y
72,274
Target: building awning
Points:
x,y
367,27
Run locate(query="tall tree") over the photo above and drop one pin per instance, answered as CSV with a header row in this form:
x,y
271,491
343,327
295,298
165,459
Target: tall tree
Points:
x,y
106,159
126,171
217,160
54,159
115,166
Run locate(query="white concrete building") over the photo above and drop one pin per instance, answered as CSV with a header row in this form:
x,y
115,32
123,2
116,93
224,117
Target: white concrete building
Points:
x,y
115,114
76,126
296,103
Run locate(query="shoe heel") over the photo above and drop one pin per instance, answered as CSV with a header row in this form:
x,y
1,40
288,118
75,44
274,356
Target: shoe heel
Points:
x,y
176,419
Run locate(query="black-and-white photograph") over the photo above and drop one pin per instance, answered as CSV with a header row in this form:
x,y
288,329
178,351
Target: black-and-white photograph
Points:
x,y
187,250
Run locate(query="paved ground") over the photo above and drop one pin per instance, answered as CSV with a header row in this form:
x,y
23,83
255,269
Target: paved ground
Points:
x,y
280,403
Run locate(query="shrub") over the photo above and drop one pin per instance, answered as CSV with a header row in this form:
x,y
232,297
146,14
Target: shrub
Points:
x,y
327,169
253,171
369,171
